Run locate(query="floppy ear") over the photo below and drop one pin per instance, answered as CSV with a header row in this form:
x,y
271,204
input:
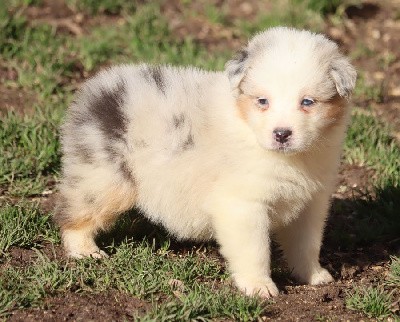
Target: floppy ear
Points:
x,y
236,68
344,75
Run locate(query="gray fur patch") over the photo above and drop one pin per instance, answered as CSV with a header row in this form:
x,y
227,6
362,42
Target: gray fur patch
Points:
x,y
344,75
78,116
107,112
179,120
242,55
154,74
237,63
72,181
189,143
140,144
112,153
84,153
126,171
236,70
89,199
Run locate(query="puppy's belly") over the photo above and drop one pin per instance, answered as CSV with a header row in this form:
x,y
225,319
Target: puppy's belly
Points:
x,y
176,209
198,229
182,225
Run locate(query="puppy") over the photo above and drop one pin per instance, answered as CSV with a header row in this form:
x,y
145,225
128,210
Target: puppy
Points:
x,y
237,156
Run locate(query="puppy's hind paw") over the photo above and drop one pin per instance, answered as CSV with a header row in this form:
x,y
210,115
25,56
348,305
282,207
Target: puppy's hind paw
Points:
x,y
99,254
94,254
321,276
80,244
263,287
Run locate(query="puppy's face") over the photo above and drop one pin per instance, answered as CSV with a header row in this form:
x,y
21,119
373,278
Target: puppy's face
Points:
x,y
291,86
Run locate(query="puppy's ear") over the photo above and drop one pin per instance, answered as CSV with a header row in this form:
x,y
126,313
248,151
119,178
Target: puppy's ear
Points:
x,y
344,75
236,69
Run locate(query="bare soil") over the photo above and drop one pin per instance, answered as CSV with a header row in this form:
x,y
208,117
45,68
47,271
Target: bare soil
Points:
x,y
107,306
375,25
13,98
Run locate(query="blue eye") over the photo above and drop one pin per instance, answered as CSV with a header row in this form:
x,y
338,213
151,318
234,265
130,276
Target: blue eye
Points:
x,y
307,102
262,101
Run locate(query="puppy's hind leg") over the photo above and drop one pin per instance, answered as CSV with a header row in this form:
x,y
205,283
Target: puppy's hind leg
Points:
x,y
87,207
301,242
79,241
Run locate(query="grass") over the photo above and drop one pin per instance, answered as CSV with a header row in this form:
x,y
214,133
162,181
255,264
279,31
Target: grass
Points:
x,y
24,226
373,301
370,144
143,37
378,301
303,14
113,7
294,13
368,91
30,152
49,65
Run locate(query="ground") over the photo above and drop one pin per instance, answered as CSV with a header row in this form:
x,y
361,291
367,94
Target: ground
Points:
x,y
50,47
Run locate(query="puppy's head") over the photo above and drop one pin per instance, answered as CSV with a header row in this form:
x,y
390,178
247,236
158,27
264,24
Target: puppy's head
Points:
x,y
291,86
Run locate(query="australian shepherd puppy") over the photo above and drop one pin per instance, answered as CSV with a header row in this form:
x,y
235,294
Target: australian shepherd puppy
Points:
x,y
238,156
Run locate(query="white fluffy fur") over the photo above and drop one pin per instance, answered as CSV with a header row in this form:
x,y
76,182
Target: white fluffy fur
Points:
x,y
205,168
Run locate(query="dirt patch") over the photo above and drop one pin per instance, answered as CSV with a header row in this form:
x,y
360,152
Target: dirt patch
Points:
x,y
20,257
307,303
23,257
363,266
354,181
107,306
13,98
49,9
57,14
66,20
190,20
48,202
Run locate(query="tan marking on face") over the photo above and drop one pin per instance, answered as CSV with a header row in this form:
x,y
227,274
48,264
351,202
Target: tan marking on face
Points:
x,y
244,105
335,108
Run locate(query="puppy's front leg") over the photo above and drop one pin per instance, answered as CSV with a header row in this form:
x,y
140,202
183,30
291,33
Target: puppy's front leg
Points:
x,y
301,242
242,231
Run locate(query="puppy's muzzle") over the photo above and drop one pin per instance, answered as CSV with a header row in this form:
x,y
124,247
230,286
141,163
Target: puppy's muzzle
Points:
x,y
282,135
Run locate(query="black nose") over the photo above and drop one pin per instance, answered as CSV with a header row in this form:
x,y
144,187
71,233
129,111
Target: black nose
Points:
x,y
282,135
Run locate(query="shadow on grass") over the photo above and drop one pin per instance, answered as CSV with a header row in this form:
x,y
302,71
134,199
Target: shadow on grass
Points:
x,y
135,227
363,230
365,220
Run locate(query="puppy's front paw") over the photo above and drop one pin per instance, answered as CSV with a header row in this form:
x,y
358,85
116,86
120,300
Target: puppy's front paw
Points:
x,y
263,287
320,276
